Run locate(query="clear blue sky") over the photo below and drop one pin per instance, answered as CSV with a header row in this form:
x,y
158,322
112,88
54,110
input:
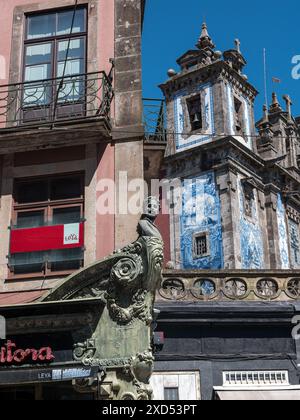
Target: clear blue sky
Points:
x,y
173,26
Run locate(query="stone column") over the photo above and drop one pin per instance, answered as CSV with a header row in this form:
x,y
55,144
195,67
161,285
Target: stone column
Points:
x,y
272,228
128,131
227,183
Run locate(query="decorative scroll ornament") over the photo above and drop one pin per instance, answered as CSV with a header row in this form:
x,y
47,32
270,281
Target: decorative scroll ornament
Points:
x,y
126,271
125,285
139,274
84,352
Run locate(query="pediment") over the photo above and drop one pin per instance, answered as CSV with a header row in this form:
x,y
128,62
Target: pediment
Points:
x,y
189,55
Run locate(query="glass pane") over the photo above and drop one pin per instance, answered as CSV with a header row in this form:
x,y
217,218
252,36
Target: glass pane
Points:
x,y
71,91
37,72
67,259
66,215
41,26
26,263
72,67
171,394
32,192
67,188
37,93
76,49
65,21
30,219
63,255
73,88
36,54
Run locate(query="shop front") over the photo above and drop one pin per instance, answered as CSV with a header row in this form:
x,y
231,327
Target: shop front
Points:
x,y
37,360
91,337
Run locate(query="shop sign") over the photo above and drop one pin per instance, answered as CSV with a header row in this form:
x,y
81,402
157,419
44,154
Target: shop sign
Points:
x,y
11,354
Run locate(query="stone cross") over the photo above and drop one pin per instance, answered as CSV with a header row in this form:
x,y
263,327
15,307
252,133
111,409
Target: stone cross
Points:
x,y
289,104
238,45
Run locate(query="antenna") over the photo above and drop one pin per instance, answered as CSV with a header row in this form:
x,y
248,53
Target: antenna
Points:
x,y
265,77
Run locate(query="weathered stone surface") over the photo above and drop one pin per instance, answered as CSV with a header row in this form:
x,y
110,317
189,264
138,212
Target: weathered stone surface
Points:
x,y
126,283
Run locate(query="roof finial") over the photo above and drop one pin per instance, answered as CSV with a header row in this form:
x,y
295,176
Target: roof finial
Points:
x,y
289,104
205,40
265,127
238,45
266,115
204,33
275,107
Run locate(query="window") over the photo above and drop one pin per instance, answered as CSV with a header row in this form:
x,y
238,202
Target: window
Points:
x,y
195,112
248,206
201,245
249,200
176,386
256,378
47,202
238,114
171,394
48,39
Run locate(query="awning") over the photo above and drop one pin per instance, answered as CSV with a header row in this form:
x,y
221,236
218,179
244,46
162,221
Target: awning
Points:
x,y
18,298
259,395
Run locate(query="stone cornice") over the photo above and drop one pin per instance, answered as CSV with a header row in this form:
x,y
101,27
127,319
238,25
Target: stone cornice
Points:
x,y
205,74
222,150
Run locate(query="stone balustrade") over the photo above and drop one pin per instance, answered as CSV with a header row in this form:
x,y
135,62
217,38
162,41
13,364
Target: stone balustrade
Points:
x,y
227,285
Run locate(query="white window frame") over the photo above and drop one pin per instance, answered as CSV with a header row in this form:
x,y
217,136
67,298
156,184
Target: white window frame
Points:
x,y
162,380
246,378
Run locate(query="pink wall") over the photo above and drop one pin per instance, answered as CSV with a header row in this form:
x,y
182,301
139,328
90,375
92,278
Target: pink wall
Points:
x,y
105,239
102,54
106,28
163,224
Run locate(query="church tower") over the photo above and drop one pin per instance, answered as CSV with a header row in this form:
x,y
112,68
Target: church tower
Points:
x,y
210,97
231,214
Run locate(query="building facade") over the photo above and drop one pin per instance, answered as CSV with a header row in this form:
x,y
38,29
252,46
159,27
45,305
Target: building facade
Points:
x,y
231,291
70,117
70,124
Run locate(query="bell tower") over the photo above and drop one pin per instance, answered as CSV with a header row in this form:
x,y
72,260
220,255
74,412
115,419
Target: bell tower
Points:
x,y
209,97
211,145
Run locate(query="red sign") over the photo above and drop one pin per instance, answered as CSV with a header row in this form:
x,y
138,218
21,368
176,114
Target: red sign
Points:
x,y
11,354
47,238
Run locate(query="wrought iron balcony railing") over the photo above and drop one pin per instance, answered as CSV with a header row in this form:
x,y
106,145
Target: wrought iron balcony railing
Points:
x,y
48,101
155,120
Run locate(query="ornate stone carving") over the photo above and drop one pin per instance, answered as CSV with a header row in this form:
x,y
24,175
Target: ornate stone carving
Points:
x,y
230,285
84,351
125,285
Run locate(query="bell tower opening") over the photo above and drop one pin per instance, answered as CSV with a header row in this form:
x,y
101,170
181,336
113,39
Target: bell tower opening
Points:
x,y
195,112
238,107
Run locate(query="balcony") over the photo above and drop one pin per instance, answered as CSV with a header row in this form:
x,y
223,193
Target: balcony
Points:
x,y
53,104
193,286
155,121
